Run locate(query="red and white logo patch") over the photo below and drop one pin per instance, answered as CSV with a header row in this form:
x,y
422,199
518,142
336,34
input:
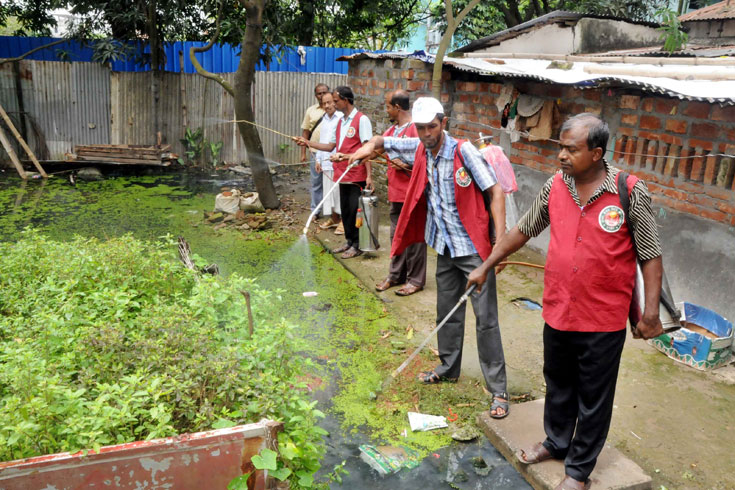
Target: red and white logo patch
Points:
x,y
351,132
611,219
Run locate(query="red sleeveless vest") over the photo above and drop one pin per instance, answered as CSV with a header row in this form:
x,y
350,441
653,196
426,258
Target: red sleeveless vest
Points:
x,y
398,179
590,266
470,206
350,144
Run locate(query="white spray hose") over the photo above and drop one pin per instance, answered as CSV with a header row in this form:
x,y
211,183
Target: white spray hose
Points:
x,y
334,187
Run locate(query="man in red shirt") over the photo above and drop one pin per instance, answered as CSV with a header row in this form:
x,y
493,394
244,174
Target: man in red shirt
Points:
x,y
588,285
408,268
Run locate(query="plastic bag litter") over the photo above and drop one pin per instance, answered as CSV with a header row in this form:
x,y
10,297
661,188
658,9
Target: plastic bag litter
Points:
x,y
389,459
423,422
309,294
227,202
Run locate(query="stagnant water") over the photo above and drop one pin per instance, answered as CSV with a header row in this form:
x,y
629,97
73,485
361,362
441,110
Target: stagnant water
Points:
x,y
150,207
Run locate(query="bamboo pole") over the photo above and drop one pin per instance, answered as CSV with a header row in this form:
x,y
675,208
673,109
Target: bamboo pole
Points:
x,y
11,152
638,60
22,142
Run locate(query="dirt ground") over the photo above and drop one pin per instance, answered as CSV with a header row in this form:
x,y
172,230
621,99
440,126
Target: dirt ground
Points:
x,y
677,423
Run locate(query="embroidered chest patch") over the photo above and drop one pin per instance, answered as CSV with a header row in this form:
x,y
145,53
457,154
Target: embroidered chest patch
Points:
x,y
611,219
351,132
462,176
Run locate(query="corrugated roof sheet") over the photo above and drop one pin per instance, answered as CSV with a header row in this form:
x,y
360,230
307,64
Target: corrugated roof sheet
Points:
x,y
721,10
688,50
719,91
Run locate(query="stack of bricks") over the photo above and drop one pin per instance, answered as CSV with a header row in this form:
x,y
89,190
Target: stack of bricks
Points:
x,y
683,149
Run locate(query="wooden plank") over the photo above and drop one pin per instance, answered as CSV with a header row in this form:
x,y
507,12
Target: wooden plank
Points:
x,y
22,142
121,161
132,156
11,152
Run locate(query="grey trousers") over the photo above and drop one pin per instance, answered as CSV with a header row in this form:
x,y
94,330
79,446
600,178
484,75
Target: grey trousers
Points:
x,y
410,266
451,279
315,184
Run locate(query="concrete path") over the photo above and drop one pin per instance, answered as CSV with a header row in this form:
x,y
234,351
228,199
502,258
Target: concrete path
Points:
x,y
524,427
676,423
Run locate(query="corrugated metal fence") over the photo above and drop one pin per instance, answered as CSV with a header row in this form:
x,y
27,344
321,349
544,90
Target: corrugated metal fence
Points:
x,y
83,103
219,59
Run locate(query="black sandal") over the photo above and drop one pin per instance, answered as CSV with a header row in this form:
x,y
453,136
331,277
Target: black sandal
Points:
x,y
431,378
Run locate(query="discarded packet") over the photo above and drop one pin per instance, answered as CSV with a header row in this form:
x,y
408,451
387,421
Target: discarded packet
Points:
x,y
388,459
423,422
310,294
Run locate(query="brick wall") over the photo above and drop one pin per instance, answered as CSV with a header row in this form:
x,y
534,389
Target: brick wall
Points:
x,y
668,142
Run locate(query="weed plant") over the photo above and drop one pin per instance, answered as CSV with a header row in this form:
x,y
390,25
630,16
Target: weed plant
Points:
x,y
106,342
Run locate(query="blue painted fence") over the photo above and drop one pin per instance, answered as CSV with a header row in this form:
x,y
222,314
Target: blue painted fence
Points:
x,y
219,59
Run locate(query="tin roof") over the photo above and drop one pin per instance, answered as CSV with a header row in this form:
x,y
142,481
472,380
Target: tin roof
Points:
x,y
688,50
721,10
714,84
555,17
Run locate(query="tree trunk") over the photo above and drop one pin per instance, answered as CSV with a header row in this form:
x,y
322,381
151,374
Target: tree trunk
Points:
x,y
154,39
244,77
452,24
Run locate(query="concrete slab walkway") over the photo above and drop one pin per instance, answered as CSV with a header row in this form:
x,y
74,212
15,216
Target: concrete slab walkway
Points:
x,y
524,427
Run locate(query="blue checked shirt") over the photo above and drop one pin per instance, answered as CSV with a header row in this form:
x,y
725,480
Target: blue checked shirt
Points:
x,y
443,226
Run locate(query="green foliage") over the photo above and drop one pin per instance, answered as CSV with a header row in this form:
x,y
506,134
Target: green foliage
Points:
x,y
487,18
195,145
105,342
214,150
671,34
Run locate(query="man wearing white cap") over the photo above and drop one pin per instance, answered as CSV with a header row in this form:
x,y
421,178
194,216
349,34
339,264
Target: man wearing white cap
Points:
x,y
453,203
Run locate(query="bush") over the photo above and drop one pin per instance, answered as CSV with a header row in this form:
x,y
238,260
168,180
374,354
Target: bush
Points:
x,y
105,342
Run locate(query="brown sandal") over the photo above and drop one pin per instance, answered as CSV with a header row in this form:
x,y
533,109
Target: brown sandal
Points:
x,y
569,483
351,252
536,454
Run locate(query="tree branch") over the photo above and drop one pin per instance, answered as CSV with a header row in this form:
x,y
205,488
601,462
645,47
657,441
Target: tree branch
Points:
x,y
449,13
199,68
28,53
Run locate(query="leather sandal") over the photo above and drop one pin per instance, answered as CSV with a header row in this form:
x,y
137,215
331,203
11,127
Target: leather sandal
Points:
x,y
569,483
408,290
341,249
535,454
351,252
385,284
500,401
328,224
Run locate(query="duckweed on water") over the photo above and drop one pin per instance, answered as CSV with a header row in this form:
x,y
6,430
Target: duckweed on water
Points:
x,y
346,335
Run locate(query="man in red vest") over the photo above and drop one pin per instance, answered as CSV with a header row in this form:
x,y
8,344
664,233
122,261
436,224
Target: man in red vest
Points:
x,y
452,197
408,268
588,285
352,131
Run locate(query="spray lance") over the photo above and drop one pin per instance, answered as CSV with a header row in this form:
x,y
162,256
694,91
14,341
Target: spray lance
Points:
x,y
319,206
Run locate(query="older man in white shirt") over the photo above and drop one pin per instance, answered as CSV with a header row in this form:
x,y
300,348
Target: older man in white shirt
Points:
x,y
324,165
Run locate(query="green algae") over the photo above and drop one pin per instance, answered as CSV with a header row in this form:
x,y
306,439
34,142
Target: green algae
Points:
x,y
343,325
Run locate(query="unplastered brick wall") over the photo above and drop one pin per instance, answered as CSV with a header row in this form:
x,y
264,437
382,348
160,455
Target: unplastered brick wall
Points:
x,y
681,148
371,80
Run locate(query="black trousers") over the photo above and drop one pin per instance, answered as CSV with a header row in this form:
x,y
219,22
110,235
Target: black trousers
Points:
x,y
349,193
581,370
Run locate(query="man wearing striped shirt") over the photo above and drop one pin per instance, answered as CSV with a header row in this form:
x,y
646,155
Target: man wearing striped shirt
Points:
x,y
588,285
453,202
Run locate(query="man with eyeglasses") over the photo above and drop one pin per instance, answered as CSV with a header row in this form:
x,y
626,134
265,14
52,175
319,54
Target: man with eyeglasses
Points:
x,y
310,131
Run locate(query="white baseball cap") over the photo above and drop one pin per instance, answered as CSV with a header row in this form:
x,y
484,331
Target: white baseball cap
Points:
x,y
425,110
